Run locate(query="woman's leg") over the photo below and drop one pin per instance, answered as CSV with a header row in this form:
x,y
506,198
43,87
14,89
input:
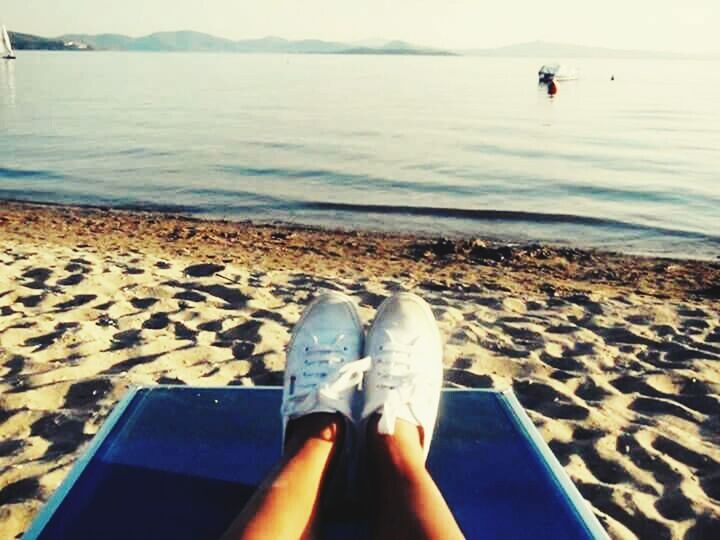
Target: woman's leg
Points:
x,y
402,395
286,503
405,500
322,372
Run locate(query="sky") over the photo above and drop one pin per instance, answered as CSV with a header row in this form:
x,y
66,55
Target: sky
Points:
x,y
689,26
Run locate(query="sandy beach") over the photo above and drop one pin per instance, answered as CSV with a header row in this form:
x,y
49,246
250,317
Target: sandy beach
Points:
x,y
616,358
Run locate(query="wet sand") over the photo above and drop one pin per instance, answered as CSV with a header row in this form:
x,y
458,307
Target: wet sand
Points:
x,y
616,358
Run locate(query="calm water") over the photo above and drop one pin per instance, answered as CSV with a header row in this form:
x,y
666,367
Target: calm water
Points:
x,y
444,145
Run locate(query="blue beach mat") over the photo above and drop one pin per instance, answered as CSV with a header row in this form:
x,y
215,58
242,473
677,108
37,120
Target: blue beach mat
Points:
x,y
179,463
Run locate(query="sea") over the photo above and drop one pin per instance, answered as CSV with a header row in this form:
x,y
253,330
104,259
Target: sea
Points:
x,y
626,158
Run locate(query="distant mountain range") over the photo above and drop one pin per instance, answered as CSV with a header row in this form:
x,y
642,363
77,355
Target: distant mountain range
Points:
x,y
543,49
187,41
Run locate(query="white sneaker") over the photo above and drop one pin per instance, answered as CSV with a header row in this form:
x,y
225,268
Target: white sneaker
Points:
x,y
323,366
407,365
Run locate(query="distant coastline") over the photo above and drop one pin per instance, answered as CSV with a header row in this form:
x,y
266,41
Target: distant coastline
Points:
x,y
416,52
29,42
189,41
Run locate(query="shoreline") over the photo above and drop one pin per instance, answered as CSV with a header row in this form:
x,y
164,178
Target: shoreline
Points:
x,y
657,241
462,259
616,358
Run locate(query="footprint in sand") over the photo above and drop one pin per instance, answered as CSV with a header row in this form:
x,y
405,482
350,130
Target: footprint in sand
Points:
x,y
10,446
157,321
233,298
64,433
548,401
73,279
44,341
248,331
171,380
36,278
183,332
14,366
243,350
126,339
190,296
143,303
32,300
77,301
20,491
203,270
211,326
86,394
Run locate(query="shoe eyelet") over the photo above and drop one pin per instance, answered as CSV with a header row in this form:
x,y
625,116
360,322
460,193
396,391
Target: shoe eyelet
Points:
x,y
307,349
345,349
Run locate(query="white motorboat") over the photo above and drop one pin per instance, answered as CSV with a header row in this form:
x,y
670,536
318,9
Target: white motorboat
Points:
x,y
557,72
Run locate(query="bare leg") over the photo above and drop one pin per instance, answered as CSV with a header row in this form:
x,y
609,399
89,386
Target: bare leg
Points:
x,y
404,498
286,503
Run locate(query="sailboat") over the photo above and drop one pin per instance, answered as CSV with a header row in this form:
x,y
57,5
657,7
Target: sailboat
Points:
x,y
6,49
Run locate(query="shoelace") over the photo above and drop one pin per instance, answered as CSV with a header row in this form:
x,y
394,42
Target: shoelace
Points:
x,y
392,365
327,394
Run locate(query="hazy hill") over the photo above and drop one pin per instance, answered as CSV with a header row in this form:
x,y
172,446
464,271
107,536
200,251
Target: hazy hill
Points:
x,y
280,45
545,50
22,41
400,51
187,41
197,41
